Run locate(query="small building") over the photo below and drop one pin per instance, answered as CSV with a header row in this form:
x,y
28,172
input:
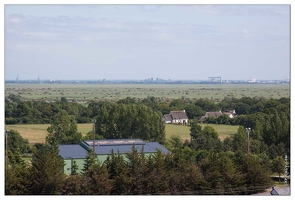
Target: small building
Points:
x,y
231,114
176,117
104,148
213,114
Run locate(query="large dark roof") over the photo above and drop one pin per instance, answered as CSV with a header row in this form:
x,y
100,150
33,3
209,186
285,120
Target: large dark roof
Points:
x,y
72,151
178,115
105,147
149,147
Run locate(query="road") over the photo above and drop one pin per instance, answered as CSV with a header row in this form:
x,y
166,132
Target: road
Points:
x,y
281,190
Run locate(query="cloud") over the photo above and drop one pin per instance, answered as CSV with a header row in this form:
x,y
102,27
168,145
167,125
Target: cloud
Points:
x,y
64,28
240,10
150,8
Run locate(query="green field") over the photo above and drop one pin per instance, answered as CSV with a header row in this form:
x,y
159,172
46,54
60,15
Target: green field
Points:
x,y
184,131
36,133
83,93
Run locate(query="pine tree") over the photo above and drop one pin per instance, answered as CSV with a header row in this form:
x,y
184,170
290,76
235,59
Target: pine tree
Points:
x,y
17,179
46,172
89,161
98,181
74,168
118,172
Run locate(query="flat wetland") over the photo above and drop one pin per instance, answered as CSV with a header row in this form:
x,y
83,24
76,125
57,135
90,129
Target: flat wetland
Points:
x,y
83,93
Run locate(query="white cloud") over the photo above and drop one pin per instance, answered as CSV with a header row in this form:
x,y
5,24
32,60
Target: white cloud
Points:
x,y
240,10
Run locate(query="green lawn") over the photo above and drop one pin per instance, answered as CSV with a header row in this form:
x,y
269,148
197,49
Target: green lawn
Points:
x,y
36,133
184,131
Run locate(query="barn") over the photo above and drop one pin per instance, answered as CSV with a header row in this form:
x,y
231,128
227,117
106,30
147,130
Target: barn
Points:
x,y
103,148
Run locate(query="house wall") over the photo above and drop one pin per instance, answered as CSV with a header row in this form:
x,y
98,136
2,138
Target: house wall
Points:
x,y
67,166
80,162
180,120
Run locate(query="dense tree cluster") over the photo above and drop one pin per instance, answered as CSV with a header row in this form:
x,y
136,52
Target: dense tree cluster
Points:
x,y
136,173
130,121
202,165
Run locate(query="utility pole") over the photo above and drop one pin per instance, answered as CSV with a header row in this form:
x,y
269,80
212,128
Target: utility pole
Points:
x,y
6,144
248,130
286,171
93,130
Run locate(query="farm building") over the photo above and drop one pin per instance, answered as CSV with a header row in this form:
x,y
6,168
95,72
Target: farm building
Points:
x,y
213,114
176,117
103,148
230,114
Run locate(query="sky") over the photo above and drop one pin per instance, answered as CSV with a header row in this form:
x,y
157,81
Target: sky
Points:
x,y
132,41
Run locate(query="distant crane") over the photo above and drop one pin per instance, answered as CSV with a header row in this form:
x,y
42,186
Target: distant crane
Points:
x,y
213,79
17,79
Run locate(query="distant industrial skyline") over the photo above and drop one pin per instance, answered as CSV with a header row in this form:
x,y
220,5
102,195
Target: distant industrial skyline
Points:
x,y
135,42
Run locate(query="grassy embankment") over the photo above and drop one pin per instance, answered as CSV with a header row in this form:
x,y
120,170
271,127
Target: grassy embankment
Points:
x,y
36,133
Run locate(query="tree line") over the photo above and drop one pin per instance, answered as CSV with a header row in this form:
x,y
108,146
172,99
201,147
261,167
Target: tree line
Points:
x,y
40,112
174,173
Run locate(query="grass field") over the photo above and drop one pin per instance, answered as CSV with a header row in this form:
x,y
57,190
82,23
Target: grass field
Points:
x,y
85,92
36,133
184,131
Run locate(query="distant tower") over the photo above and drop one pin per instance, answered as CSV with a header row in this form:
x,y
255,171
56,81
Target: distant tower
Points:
x,y
38,80
17,78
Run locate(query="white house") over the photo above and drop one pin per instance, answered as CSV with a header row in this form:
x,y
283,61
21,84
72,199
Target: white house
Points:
x,y
176,117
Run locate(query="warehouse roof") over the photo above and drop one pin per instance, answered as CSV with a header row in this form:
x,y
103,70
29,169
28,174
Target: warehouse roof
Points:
x,y
112,142
72,151
105,147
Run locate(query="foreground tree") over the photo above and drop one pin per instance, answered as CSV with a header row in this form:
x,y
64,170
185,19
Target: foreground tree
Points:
x,y
46,173
16,143
17,178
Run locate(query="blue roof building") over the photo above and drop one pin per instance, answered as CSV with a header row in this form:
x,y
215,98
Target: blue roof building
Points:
x,y
103,148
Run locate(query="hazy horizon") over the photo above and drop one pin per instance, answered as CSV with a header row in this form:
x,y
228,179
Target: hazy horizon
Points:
x,y
135,42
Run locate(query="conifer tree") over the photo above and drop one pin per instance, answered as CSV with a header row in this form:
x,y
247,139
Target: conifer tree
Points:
x,y
46,172
89,161
74,168
98,181
17,179
118,172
